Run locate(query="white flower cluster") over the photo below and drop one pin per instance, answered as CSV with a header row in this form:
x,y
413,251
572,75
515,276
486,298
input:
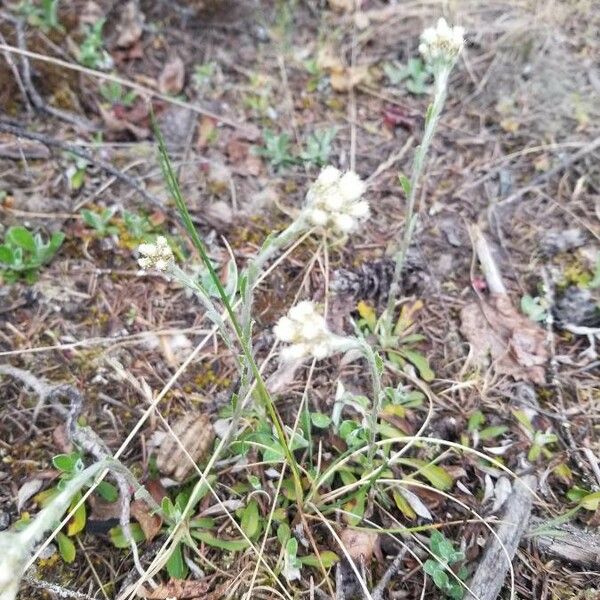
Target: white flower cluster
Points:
x,y
442,42
157,256
306,330
333,200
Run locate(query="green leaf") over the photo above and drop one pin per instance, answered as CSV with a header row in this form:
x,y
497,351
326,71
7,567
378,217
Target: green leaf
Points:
x,y
320,420
492,432
476,420
6,254
250,519
405,183
591,501
56,240
20,236
532,308
283,533
117,537
108,491
420,362
328,559
77,522
66,547
67,463
229,545
176,566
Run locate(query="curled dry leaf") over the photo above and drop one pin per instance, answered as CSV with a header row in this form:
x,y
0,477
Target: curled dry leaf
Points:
x,y
172,78
150,523
179,589
196,434
361,545
517,345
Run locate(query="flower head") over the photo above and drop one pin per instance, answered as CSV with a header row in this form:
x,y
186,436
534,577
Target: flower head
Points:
x,y
157,256
442,43
334,201
307,333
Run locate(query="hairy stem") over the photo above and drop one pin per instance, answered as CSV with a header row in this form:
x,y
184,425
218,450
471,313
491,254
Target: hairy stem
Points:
x,y
441,73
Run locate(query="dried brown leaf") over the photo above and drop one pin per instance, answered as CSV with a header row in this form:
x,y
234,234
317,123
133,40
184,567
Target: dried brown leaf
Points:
x,y
172,78
516,345
150,523
195,432
360,545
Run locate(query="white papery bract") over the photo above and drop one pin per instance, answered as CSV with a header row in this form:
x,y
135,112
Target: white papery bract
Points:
x,y
334,201
157,256
442,43
305,329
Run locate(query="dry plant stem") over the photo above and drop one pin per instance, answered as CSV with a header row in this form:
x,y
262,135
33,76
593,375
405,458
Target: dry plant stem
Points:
x,y
55,590
50,141
441,84
387,576
256,266
488,264
491,572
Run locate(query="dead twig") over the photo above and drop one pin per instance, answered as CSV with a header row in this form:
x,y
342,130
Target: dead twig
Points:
x,y
50,141
491,571
394,567
566,542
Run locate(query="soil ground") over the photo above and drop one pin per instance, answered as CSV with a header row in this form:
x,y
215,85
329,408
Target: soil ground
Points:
x,y
516,153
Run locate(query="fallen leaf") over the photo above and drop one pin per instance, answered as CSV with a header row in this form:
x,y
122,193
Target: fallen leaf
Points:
x,y
360,545
516,344
195,432
172,78
350,77
206,131
342,77
118,119
130,26
177,588
26,491
150,523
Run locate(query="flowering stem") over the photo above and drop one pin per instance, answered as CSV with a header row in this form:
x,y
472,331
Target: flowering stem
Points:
x,y
441,73
257,264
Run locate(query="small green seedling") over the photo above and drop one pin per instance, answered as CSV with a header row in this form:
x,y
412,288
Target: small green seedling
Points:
x,y
318,147
437,568
276,149
22,253
91,52
114,93
415,74
533,307
76,172
44,16
100,222
539,439
203,73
